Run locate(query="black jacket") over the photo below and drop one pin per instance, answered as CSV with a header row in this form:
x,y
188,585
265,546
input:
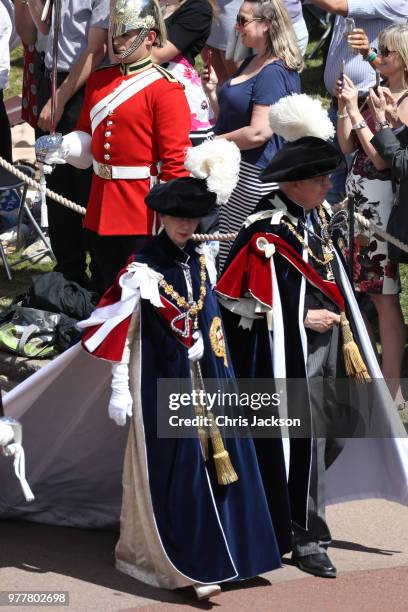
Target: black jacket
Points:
x,y
394,150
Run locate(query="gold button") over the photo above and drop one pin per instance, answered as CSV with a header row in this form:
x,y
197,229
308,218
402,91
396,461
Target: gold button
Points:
x,y
107,134
106,145
109,123
106,156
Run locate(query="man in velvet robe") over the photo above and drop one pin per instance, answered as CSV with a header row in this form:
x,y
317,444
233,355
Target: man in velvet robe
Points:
x,y
287,308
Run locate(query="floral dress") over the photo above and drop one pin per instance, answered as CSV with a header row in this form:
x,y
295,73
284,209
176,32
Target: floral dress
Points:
x,y
29,109
202,117
373,195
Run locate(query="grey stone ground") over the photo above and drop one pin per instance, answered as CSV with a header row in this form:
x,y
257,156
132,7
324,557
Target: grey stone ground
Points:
x,y
370,550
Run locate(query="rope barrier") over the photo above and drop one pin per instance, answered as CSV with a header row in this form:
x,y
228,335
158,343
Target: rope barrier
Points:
x,y
214,237
366,223
374,229
36,185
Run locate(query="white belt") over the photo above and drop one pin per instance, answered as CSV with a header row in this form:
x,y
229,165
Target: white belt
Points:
x,y
108,172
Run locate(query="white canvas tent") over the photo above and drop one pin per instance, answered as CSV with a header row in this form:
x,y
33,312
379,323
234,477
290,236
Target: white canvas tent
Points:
x,y
74,453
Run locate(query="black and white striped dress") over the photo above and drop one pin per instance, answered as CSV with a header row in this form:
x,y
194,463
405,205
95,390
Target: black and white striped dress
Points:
x,y
244,198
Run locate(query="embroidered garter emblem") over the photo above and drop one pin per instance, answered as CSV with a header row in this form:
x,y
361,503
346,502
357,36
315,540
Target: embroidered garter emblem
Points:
x,y
217,340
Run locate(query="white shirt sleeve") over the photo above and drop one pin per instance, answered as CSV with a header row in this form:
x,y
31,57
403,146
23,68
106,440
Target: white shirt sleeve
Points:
x,y
392,10
6,29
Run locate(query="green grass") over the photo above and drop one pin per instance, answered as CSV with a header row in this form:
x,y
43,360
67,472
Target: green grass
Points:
x,y
22,273
16,73
312,83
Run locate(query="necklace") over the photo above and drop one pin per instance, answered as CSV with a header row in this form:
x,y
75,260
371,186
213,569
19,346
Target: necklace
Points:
x,y
328,255
192,308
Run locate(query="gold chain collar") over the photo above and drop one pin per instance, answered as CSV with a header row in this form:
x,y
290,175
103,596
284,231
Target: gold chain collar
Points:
x,y
191,309
327,248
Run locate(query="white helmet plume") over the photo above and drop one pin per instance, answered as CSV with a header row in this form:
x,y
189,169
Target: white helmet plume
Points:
x,y
300,115
217,161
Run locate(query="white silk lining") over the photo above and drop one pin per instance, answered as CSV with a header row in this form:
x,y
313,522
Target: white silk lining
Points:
x,y
140,551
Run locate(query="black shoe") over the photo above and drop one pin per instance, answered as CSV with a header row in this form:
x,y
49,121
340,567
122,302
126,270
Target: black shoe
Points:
x,y
318,565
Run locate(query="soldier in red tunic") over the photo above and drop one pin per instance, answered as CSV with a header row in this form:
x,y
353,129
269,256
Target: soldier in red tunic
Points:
x,y
133,129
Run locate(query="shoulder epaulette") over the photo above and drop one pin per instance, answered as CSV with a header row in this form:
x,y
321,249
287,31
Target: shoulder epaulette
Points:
x,y
167,75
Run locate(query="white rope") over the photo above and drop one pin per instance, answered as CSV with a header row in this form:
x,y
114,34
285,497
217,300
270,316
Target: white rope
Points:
x,y
216,237
374,229
380,232
17,451
36,185
197,237
6,434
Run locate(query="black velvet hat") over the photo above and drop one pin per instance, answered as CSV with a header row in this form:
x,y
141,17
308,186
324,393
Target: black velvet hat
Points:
x,y
186,197
303,159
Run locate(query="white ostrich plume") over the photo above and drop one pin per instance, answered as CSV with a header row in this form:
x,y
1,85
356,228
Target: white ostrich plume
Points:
x,y
217,161
300,115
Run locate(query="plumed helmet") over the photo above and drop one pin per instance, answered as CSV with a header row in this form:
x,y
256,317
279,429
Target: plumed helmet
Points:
x,y
142,15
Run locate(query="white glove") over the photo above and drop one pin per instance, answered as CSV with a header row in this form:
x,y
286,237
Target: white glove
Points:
x,y
197,350
58,156
75,149
120,404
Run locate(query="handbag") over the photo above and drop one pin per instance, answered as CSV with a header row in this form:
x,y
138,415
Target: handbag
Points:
x,y
30,333
397,226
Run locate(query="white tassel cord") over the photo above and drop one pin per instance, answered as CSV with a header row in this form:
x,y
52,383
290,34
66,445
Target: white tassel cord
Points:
x,y
17,451
6,434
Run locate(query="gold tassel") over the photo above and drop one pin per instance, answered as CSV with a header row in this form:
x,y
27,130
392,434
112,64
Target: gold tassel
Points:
x,y
201,412
202,433
353,361
223,466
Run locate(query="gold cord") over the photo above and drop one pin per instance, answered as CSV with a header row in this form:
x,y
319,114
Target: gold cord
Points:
x,y
194,308
327,257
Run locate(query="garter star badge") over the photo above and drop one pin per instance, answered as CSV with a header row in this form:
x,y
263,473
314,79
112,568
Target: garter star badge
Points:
x,y
217,339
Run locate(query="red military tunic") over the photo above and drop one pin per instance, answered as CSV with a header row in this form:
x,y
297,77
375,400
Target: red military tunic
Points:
x,y
149,127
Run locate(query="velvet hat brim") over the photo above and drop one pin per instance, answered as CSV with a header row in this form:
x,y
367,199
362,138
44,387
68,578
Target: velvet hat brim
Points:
x,y
185,197
303,159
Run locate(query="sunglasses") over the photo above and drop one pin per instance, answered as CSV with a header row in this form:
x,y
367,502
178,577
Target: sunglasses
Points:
x,y
385,52
243,21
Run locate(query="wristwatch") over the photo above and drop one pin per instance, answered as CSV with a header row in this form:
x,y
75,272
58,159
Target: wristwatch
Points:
x,y
359,125
381,125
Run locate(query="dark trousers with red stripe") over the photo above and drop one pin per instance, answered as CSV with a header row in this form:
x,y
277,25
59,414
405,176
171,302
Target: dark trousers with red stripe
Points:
x,y
66,233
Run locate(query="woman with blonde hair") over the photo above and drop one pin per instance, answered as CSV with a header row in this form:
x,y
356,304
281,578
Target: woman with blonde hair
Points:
x,y
241,108
370,184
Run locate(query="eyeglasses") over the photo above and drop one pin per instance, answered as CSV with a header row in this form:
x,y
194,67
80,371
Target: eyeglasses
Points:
x,y
385,52
320,180
243,21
